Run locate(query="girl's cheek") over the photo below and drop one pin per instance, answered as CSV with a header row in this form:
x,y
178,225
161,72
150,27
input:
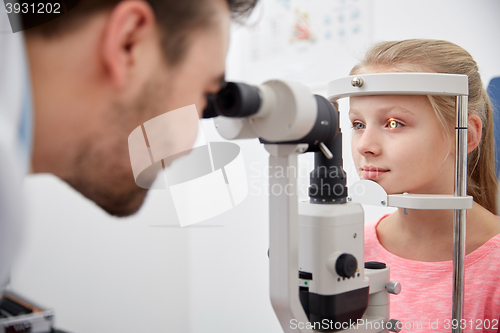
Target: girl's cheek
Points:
x,y
355,153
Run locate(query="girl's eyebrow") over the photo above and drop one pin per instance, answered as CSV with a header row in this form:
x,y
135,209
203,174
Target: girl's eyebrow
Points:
x,y
385,110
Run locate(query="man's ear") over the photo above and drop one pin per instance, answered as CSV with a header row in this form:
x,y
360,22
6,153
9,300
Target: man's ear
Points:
x,y
474,132
128,26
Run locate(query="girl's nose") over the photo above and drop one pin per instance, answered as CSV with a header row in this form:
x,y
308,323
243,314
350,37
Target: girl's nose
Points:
x,y
368,143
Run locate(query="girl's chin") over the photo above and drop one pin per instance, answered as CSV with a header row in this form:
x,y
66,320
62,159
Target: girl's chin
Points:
x,y
388,186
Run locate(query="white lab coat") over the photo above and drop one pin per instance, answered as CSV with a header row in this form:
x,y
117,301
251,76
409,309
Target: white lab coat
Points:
x,y
14,147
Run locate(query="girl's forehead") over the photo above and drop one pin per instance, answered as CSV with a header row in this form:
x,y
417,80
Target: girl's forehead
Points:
x,y
412,103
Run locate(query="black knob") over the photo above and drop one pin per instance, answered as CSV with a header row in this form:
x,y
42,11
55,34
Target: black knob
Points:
x,y
374,265
346,265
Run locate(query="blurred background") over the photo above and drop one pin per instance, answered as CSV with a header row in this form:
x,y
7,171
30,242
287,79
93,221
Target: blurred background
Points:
x,y
145,273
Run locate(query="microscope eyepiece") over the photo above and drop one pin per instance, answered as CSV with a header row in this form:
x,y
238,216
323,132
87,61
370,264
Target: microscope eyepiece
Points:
x,y
238,100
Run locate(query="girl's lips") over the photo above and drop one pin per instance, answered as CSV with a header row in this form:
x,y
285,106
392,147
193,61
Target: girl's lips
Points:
x,y
371,172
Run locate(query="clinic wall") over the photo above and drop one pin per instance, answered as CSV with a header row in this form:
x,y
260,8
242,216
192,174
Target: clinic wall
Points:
x,y
103,274
229,272
474,25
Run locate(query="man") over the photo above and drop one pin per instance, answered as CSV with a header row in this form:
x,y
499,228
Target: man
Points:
x,y
105,68
98,72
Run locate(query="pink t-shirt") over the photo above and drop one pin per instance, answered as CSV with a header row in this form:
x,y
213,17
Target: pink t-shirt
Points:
x,y
424,304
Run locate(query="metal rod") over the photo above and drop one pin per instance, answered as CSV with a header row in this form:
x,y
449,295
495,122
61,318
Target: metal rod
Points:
x,y
460,215
284,238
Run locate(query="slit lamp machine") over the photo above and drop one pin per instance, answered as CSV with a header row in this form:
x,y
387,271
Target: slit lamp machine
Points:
x,y
318,278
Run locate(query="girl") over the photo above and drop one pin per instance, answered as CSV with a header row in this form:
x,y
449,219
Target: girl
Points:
x,y
407,144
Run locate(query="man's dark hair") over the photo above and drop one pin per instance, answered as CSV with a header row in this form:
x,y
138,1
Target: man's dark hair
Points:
x,y
177,20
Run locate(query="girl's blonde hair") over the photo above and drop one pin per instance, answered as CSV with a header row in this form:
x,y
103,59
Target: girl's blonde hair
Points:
x,y
439,56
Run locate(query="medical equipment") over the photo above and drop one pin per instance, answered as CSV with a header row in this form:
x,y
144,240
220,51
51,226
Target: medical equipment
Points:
x,y
19,315
317,280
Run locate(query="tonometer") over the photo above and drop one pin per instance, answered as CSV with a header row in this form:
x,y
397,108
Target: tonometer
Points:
x,y
318,278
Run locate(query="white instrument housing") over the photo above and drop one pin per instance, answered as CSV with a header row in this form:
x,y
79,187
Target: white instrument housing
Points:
x,y
287,113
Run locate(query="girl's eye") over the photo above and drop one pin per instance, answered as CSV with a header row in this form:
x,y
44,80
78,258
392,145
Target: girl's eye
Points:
x,y
357,125
394,124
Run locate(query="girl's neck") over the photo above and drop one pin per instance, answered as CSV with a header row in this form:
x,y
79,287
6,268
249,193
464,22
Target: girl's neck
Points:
x,y
429,223
427,235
